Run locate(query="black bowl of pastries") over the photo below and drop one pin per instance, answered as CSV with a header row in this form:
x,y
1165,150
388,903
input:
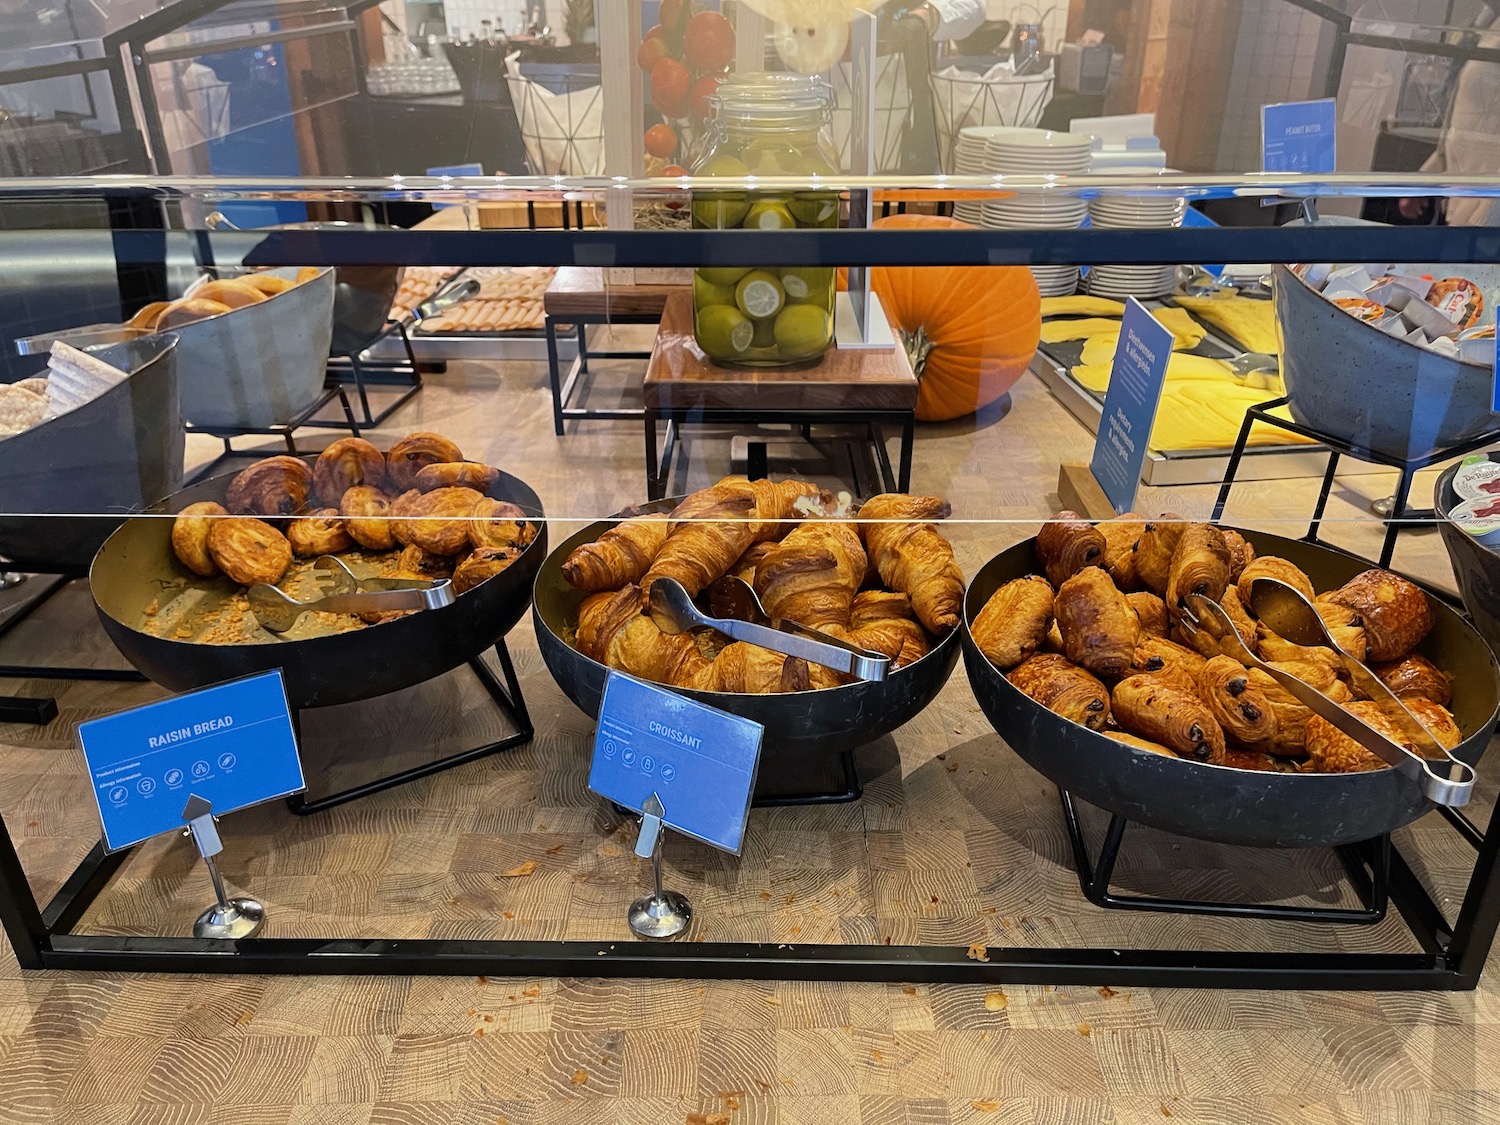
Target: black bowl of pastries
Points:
x,y
890,586
169,586
1075,656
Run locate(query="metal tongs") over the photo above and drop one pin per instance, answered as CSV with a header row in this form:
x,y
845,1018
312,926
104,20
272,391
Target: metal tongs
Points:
x,y
673,611
278,611
1443,779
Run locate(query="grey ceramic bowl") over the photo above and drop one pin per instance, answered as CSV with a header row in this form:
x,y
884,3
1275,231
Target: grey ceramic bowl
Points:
x,y
1350,380
69,482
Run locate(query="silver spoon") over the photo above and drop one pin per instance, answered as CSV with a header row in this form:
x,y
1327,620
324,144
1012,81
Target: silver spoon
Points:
x,y
1204,616
277,611
673,611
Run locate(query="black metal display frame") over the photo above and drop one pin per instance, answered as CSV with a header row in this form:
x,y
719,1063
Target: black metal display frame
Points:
x,y
1451,955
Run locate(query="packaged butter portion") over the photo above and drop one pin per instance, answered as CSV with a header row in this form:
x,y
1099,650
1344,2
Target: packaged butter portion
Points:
x,y
1478,479
1480,519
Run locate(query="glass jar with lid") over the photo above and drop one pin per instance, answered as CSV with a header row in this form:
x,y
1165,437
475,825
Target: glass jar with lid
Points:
x,y
766,125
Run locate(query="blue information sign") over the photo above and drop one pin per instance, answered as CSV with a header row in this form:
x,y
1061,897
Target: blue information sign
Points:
x,y
1299,137
1135,383
231,744
1495,377
699,761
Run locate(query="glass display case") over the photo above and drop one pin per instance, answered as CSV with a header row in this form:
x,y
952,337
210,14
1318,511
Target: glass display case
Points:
x,y
1163,488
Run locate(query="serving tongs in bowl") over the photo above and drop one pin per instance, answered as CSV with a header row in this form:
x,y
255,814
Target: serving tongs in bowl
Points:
x,y
1443,779
278,611
744,619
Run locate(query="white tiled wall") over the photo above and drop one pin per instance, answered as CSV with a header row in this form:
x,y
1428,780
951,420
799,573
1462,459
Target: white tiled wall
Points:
x,y
1277,59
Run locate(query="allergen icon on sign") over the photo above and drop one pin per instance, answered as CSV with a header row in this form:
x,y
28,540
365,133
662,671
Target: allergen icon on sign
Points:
x,y
147,786
668,771
226,761
648,763
609,748
200,769
174,777
118,794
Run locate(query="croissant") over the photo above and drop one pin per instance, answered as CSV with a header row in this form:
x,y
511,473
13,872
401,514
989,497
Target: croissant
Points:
x,y
742,667
1330,750
190,536
320,533
1150,610
1054,641
440,522
344,464
1270,647
367,510
1395,612
249,551
1154,549
1099,629
1152,654
456,474
1121,534
1014,622
744,567
413,562
1241,553
1200,565
1066,544
1150,707
709,531
274,486
1411,677
773,503
1291,716
882,621
413,453
1269,566
1064,688
612,630
1137,742
619,557
498,523
812,575
1240,709
913,558
480,564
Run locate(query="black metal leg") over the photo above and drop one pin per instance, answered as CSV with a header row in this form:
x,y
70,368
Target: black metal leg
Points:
x,y
1466,827
852,790
359,389
908,439
19,915
1398,512
507,695
30,710
1095,880
349,411
76,895
583,347
876,439
554,375
1232,469
1329,473
652,484
757,465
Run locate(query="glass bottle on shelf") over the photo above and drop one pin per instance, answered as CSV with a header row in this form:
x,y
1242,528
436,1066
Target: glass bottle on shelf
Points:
x,y
766,125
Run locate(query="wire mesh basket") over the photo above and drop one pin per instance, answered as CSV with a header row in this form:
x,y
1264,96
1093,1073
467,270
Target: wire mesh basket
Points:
x,y
563,131
892,105
961,98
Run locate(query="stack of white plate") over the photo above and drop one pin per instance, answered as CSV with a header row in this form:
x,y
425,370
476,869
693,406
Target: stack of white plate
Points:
x,y
1145,212
968,160
1038,152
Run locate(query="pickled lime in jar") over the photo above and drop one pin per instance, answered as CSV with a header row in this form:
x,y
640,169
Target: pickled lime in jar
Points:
x,y
766,125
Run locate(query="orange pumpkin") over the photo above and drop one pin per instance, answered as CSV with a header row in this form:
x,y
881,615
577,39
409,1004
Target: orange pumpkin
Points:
x,y
970,330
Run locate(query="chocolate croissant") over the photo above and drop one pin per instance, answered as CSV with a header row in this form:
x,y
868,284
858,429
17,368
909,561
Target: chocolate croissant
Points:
x,y
912,557
481,564
1291,716
190,536
249,551
1395,612
1066,544
1438,720
1269,566
812,575
274,486
1241,553
1275,649
1330,750
412,454
343,465
1121,534
498,523
456,474
1154,549
1064,688
320,533
619,557
440,520
413,562
1099,629
1014,621
1151,708
367,513
1154,653
1151,611
1200,565
1243,712
1411,677
1346,627
1138,743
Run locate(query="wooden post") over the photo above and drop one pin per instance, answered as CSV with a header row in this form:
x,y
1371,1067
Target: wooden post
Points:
x,y
1079,491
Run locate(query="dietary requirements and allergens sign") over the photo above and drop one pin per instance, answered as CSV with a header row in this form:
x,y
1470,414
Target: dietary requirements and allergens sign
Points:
x,y
1130,404
699,761
231,744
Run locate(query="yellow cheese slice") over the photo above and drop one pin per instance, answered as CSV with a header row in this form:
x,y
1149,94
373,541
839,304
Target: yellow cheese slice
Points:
x,y
1186,332
1081,306
1246,320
